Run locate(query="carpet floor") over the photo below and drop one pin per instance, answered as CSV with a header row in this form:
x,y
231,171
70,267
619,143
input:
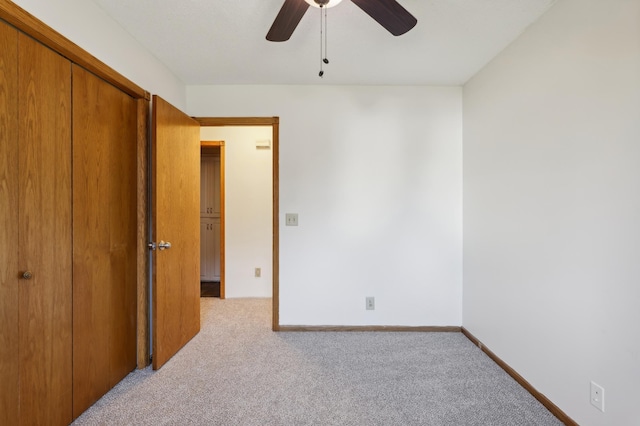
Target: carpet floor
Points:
x,y
236,371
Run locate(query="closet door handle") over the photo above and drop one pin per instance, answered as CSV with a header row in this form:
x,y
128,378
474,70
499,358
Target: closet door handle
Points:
x,y
27,275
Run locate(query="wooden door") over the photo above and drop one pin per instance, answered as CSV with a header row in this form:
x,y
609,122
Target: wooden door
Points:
x,y
9,269
176,220
44,206
104,237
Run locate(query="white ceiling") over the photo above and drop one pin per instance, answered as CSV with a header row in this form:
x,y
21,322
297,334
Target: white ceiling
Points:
x,y
223,41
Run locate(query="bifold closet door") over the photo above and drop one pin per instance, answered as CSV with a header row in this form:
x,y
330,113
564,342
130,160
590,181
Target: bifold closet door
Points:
x,y
44,207
9,269
104,237
35,233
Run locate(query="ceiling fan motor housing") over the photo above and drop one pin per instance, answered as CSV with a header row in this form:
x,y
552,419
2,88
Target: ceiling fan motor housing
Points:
x,y
321,3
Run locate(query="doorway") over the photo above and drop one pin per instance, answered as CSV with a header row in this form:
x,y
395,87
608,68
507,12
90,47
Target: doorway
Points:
x,y
212,277
273,123
144,231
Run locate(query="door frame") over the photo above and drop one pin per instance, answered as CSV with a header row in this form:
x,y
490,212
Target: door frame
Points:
x,y
274,122
206,146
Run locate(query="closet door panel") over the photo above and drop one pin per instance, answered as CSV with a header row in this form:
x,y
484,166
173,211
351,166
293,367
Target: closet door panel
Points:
x,y
44,166
105,215
215,183
215,249
204,249
122,112
9,269
91,259
205,186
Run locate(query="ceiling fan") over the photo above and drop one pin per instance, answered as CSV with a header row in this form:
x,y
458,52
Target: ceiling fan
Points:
x,y
388,13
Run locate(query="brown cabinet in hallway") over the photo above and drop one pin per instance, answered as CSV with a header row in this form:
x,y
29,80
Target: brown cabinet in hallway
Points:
x,y
210,217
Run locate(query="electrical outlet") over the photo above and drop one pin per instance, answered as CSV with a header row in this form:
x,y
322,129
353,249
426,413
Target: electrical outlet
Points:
x,y
597,396
258,272
370,303
291,219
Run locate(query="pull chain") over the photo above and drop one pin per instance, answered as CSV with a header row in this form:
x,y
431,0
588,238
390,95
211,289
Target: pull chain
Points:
x,y
321,73
323,41
325,60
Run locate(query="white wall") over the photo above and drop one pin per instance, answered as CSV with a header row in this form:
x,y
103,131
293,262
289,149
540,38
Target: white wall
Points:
x,y
375,176
552,207
248,209
88,26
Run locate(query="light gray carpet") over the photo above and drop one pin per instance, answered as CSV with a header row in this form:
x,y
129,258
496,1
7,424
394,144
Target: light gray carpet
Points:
x,y
238,372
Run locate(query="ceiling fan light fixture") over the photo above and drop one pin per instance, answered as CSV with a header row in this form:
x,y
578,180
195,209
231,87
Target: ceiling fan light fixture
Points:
x,y
323,3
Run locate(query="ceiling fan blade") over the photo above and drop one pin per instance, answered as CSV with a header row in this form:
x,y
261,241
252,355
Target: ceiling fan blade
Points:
x,y
287,20
388,13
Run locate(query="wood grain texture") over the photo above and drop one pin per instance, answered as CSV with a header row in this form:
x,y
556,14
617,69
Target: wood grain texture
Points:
x,y
176,207
553,408
56,313
91,265
45,234
143,236
104,237
35,28
119,113
9,269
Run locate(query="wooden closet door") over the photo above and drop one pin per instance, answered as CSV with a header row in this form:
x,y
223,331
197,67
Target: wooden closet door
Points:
x,y
44,206
104,237
9,271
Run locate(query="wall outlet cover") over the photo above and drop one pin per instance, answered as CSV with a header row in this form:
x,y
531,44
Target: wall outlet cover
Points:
x,y
370,303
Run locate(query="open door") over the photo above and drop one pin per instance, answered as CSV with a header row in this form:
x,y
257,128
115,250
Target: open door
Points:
x,y
175,168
